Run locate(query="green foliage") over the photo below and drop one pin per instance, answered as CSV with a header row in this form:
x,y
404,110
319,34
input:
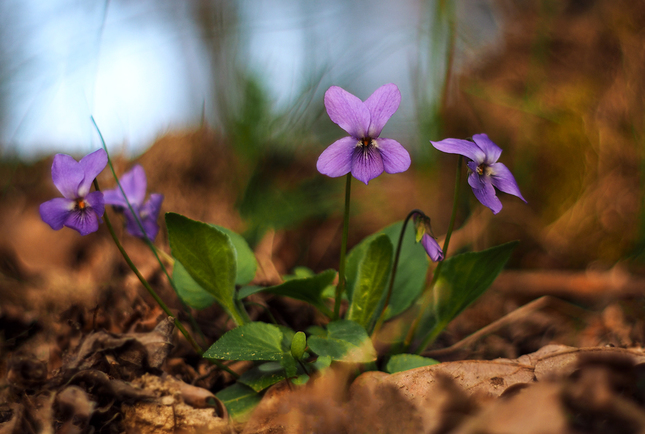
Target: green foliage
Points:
x,y
239,400
209,256
197,297
253,341
345,341
404,362
190,291
465,277
246,263
411,273
263,376
462,280
371,280
307,289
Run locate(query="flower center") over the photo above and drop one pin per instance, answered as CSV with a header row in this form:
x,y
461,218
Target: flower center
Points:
x,y
483,169
365,142
80,204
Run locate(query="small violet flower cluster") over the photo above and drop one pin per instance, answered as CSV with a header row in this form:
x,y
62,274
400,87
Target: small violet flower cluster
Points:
x,y
134,186
366,155
81,210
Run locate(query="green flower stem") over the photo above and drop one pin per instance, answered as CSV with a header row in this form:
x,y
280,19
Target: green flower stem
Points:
x,y
381,318
145,283
147,240
428,299
154,295
343,250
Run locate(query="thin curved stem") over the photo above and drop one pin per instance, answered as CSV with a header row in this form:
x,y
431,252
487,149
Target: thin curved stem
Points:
x,y
145,283
428,299
381,318
156,297
146,239
343,249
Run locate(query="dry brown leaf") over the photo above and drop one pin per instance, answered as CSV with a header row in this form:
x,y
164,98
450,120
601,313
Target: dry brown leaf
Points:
x,y
169,413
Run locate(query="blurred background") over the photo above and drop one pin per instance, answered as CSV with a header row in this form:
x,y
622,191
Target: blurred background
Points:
x,y
222,103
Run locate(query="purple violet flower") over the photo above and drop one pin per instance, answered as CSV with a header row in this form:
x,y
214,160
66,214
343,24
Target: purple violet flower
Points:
x,y
486,172
363,152
423,231
432,247
78,209
134,186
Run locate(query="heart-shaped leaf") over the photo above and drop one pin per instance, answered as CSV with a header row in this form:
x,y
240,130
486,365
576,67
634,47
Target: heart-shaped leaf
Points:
x,y
371,280
346,341
307,289
209,257
190,291
253,341
246,262
404,362
463,279
411,273
239,400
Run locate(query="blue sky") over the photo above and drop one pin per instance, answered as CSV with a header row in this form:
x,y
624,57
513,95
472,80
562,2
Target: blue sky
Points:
x,y
141,69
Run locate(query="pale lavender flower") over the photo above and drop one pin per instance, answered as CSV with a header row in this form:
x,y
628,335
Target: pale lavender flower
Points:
x,y
486,172
78,209
363,152
134,185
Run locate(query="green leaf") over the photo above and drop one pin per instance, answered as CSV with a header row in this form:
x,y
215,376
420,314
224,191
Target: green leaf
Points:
x,y
209,257
463,278
322,362
371,280
307,289
246,262
300,380
411,273
239,400
289,364
346,341
193,295
263,376
403,362
253,341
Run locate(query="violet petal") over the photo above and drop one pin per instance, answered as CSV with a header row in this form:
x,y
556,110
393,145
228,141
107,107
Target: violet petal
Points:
x,y
488,198
367,163
150,210
503,179
114,197
395,157
461,147
336,160
95,200
347,111
67,175
153,205
472,165
477,181
382,104
432,248
84,221
134,184
92,165
131,224
491,150
54,212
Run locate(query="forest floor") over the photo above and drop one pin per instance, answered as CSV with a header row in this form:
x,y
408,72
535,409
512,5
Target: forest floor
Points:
x,y
85,349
